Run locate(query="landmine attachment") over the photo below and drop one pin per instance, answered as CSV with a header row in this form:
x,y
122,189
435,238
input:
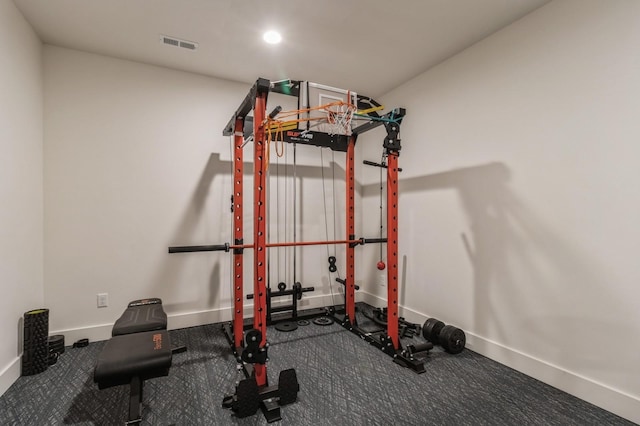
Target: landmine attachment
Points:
x,y
419,348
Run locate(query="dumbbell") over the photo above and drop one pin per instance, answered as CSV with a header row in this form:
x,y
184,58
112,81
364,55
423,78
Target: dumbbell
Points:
x,y
451,338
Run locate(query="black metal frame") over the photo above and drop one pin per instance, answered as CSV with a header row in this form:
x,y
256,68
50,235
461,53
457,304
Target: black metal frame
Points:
x,y
135,400
291,309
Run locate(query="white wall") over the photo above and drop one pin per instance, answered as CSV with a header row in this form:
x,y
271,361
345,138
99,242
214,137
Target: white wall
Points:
x,y
20,184
519,201
135,161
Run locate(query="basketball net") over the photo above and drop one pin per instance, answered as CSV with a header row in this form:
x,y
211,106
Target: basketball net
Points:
x,y
339,118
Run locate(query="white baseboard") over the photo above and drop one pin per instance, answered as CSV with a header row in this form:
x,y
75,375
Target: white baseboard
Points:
x,y
185,319
9,375
92,332
599,394
596,393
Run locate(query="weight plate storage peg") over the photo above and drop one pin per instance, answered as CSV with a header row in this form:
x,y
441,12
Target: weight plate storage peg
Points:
x,y
419,347
452,339
431,330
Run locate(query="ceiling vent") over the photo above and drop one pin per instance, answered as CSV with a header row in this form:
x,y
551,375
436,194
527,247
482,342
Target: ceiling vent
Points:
x,y
185,44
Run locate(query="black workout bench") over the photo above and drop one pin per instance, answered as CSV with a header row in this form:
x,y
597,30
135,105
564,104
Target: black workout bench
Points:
x,y
141,315
139,350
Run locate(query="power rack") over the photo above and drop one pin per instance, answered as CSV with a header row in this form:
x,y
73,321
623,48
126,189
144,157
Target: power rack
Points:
x,y
249,343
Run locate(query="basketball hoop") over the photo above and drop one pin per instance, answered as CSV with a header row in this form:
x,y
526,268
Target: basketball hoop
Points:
x,y
333,118
339,116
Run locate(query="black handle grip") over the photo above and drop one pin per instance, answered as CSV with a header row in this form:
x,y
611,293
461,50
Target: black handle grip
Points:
x,y
191,249
371,163
344,283
373,240
275,112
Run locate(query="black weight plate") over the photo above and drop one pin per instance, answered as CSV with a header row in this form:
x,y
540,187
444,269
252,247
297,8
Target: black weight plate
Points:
x,y
286,326
303,322
431,330
57,339
452,339
282,286
323,321
288,386
253,337
53,357
247,398
297,288
56,343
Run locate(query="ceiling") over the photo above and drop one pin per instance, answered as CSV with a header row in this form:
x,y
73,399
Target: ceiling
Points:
x,y
367,46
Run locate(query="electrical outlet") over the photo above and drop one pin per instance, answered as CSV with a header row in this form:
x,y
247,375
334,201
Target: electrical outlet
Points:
x,y
103,300
382,279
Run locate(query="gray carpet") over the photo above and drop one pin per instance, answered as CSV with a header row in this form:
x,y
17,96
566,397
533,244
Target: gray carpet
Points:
x,y
343,381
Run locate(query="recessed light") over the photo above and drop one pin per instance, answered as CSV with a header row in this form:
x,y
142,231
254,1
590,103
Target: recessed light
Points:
x,y
272,37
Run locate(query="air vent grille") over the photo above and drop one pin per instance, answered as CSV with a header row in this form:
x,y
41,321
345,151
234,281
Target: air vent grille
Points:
x,y
173,41
188,45
170,41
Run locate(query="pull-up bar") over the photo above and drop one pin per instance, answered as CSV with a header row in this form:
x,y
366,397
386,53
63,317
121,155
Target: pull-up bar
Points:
x,y
226,246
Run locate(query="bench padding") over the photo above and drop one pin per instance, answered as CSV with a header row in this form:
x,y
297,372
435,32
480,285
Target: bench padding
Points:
x,y
144,355
141,315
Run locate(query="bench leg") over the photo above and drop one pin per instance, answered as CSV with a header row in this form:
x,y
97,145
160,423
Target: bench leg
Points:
x,y
178,349
135,401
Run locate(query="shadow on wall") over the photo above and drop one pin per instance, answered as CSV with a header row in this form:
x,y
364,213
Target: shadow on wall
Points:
x,y
483,192
531,288
168,277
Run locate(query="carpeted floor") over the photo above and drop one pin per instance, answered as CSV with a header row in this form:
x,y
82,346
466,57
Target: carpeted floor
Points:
x,y
343,381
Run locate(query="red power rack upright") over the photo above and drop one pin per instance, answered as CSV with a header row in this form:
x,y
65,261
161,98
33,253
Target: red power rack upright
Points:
x,y
249,342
